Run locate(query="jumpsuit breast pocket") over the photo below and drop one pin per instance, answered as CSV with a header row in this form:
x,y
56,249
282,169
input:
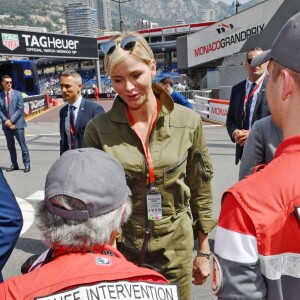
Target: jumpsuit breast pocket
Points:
x,y
176,190
176,171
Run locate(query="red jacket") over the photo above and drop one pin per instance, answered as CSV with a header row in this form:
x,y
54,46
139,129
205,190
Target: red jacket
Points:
x,y
72,271
257,241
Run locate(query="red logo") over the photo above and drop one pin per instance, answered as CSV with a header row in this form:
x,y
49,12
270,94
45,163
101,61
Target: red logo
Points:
x,y
223,27
10,41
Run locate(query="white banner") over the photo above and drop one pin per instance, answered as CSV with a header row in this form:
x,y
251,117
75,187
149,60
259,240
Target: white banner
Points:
x,y
218,110
228,36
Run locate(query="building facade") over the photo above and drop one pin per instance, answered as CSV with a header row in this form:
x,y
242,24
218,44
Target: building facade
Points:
x,y
145,24
207,15
104,14
87,17
81,18
24,27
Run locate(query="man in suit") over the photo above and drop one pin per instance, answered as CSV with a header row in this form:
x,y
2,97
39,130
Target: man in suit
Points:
x,y
261,145
247,103
11,221
13,123
75,115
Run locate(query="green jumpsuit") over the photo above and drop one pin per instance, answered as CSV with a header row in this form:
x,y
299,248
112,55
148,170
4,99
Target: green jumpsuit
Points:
x,y
183,173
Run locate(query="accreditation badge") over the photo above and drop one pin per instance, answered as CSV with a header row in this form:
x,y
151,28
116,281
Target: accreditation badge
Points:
x,y
154,205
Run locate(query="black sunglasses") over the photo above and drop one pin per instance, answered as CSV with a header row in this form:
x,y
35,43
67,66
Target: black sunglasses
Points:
x,y
8,82
249,60
128,43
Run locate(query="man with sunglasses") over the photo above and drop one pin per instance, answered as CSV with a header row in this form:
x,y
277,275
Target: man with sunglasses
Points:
x,y
247,103
13,123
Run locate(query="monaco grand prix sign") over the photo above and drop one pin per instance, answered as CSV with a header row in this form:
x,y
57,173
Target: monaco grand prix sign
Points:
x,y
227,37
36,44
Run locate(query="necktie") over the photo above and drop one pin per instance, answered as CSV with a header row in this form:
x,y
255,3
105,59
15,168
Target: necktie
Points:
x,y
8,102
72,125
248,106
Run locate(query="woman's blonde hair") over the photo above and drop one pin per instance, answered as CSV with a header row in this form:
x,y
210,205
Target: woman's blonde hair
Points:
x,y
141,50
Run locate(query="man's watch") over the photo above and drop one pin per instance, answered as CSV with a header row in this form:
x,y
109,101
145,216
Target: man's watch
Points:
x,y
202,254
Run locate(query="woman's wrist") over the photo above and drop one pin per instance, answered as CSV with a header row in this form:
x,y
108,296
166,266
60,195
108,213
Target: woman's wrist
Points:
x,y
206,254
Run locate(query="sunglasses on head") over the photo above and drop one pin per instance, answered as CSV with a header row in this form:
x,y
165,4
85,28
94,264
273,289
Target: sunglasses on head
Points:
x,y
128,43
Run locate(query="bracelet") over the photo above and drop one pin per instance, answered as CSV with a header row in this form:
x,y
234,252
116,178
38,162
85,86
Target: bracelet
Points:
x,y
207,255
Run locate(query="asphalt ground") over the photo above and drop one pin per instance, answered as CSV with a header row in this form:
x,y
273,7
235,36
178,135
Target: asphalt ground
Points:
x,y
42,136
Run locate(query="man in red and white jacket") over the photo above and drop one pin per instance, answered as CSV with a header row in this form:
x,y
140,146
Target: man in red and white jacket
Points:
x,y
257,243
86,202
103,272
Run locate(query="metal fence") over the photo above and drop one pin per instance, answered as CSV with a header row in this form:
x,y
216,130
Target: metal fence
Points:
x,y
201,106
190,94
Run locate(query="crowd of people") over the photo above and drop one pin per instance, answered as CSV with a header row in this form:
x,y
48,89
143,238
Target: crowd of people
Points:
x,y
49,83
132,190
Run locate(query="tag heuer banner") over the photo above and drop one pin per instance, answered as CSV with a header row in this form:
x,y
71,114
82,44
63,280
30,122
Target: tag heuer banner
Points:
x,y
37,44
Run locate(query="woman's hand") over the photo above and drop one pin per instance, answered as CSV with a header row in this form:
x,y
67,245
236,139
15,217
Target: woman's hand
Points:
x,y
201,270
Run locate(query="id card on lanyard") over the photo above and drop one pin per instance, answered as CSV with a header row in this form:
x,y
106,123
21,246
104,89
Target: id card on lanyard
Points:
x,y
153,197
154,205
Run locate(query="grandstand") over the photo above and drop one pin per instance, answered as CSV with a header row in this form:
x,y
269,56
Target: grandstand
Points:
x,y
51,82
171,71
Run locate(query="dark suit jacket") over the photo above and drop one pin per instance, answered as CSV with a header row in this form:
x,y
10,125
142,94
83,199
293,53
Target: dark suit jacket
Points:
x,y
11,221
261,145
87,110
16,109
235,111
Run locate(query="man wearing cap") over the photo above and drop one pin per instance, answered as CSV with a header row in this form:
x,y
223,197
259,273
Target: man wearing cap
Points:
x,y
86,202
247,103
257,243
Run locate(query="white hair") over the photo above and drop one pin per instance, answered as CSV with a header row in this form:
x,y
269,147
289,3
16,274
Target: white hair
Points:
x,y
79,235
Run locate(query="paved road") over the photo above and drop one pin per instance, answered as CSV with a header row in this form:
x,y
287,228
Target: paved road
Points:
x,y
42,135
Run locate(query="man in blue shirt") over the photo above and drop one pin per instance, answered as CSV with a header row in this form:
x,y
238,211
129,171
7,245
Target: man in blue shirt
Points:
x,y
178,98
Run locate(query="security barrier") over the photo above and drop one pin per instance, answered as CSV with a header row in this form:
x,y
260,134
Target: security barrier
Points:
x,y
34,104
208,108
211,109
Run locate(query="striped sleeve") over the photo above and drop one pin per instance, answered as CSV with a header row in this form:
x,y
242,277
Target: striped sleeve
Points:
x,y
236,253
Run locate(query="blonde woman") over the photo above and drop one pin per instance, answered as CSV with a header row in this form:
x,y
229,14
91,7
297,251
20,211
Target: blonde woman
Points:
x,y
162,148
